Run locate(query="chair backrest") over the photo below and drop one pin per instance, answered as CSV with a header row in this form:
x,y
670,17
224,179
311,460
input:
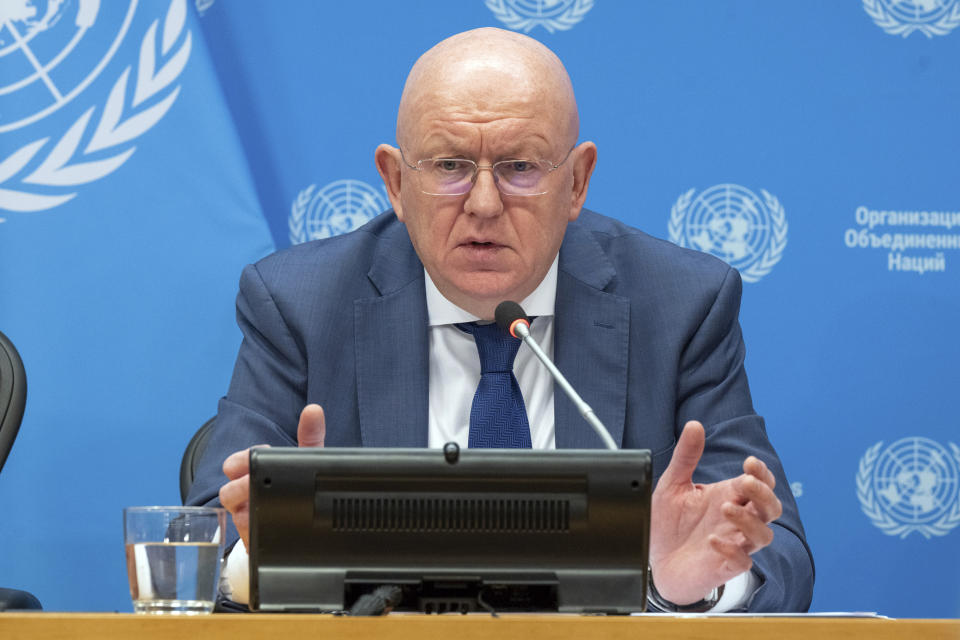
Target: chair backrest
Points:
x,y
13,400
13,395
16,600
191,457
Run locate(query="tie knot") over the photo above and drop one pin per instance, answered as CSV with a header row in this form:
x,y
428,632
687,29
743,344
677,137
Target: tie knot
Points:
x,y
497,348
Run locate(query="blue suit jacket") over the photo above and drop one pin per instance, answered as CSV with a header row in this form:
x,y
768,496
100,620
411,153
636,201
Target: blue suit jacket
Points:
x,y
647,332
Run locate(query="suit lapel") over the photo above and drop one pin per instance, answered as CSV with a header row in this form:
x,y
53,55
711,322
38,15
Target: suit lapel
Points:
x,y
591,340
391,346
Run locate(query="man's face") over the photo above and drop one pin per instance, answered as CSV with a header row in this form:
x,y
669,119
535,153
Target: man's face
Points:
x,y
484,247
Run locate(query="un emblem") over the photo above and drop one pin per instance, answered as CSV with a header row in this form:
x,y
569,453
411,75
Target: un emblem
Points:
x,y
903,17
912,485
203,6
337,208
552,15
50,51
733,224
40,43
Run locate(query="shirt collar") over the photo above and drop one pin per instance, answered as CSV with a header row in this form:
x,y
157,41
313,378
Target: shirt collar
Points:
x,y
539,303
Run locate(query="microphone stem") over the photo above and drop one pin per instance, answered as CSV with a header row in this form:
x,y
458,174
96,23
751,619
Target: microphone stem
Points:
x,y
582,406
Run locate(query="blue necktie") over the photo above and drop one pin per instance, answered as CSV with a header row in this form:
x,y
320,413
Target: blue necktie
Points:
x,y
498,417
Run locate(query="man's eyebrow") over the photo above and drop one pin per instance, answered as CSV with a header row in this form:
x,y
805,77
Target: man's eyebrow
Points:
x,y
530,147
437,144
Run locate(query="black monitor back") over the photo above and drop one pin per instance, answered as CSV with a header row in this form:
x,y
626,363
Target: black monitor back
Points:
x,y
509,530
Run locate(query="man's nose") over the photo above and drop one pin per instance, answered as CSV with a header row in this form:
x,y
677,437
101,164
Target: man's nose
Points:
x,y
484,198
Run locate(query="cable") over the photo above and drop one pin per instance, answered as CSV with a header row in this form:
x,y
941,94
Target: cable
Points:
x,y
379,602
486,605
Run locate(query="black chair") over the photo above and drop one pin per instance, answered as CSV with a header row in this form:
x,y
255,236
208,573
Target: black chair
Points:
x,y
13,395
16,600
191,457
13,401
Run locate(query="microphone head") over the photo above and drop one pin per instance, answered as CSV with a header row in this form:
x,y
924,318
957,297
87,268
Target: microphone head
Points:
x,y
508,314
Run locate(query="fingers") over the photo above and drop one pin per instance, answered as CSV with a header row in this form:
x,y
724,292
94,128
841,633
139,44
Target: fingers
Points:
x,y
686,455
235,498
237,464
312,428
756,468
735,559
759,496
235,494
755,531
750,512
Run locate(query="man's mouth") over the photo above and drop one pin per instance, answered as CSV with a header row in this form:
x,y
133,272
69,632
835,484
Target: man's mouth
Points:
x,y
481,247
480,243
481,250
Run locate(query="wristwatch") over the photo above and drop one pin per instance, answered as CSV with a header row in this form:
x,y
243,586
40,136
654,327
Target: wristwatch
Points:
x,y
661,603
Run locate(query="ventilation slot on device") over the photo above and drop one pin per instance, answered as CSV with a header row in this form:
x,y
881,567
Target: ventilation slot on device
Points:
x,y
463,515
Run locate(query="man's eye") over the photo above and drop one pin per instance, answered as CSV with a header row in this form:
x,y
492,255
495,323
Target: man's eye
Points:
x,y
519,166
448,165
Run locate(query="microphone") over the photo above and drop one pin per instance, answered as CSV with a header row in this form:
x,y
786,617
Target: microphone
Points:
x,y
510,317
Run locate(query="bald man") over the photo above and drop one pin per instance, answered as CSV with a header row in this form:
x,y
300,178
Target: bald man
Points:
x,y
354,340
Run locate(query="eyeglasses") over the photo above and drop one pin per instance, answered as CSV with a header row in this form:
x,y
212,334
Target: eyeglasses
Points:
x,y
456,176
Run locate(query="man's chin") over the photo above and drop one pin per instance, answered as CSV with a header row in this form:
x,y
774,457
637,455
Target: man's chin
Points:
x,y
485,291
492,286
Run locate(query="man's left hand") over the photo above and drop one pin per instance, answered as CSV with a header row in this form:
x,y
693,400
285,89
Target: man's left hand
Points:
x,y
702,535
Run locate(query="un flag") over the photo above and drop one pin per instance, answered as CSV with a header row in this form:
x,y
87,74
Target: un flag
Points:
x,y
126,215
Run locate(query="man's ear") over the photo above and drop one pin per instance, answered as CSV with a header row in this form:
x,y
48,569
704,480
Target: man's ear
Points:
x,y
388,161
584,160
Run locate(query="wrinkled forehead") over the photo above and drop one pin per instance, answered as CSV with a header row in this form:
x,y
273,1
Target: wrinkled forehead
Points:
x,y
487,77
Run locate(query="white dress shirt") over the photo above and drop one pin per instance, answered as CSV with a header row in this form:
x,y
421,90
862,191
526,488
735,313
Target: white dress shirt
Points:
x,y
454,376
455,367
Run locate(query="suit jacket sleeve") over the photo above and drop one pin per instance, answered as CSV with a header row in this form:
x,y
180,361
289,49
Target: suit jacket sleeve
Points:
x,y
712,388
267,390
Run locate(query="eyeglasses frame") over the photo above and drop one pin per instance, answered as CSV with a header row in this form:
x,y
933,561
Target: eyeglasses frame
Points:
x,y
476,171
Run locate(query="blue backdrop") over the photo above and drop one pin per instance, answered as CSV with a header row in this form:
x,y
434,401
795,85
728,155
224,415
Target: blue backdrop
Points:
x,y
148,150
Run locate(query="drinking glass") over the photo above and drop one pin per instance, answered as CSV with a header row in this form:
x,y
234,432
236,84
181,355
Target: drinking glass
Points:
x,y
173,557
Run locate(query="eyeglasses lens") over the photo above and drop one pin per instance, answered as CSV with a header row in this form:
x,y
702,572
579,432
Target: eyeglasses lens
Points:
x,y
453,176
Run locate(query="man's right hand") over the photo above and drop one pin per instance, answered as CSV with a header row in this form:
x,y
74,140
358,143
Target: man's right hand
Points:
x,y
235,495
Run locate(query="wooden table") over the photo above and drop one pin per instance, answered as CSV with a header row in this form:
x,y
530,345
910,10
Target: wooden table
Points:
x,y
104,626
